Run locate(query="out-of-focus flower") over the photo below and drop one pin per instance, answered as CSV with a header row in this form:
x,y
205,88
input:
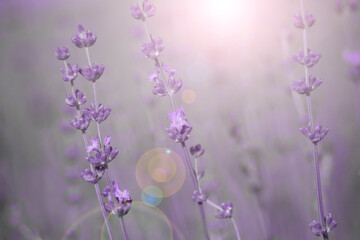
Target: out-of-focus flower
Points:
x,y
197,151
148,10
317,135
299,22
70,73
92,73
226,210
352,58
153,48
83,38
301,87
309,60
123,200
62,53
199,197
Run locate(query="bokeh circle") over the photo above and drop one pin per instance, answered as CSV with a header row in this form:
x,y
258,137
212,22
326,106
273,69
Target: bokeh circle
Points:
x,y
160,172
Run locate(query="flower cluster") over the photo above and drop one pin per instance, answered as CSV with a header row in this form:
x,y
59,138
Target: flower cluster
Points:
x,y
77,100
70,72
179,129
226,211
352,58
315,135
309,60
62,53
153,48
300,86
93,72
101,157
122,204
299,22
199,197
147,10
341,4
197,151
81,122
92,177
318,230
83,38
173,84
99,115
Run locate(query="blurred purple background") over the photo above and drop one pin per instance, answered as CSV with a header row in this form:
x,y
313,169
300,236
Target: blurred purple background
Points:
x,y
236,69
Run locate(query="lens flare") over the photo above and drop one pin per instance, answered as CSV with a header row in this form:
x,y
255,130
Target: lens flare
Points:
x,y
161,168
152,196
188,96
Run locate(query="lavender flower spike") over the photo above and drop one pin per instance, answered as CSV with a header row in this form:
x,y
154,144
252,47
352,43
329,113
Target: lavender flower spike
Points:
x,y
310,60
309,19
298,21
70,72
301,87
199,197
83,38
148,10
317,135
92,73
153,48
62,53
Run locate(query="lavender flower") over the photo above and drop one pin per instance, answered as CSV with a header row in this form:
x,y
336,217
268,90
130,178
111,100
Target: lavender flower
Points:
x,y
309,60
83,38
148,10
318,230
98,157
174,84
226,210
76,101
179,129
92,73
62,53
99,115
90,177
352,58
82,123
299,23
122,204
301,87
94,144
197,151
199,197
153,48
110,151
70,72
317,135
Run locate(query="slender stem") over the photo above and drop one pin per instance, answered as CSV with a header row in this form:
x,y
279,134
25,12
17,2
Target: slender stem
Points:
x,y
236,228
196,185
212,204
196,174
123,228
311,123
